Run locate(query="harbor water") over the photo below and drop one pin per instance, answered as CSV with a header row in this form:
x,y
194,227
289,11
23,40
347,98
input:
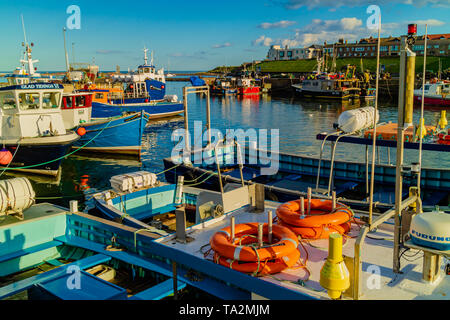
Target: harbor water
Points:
x,y
298,121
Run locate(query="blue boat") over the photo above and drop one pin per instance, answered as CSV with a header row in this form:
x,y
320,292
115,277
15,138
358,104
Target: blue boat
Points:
x,y
144,205
121,134
43,257
155,110
144,90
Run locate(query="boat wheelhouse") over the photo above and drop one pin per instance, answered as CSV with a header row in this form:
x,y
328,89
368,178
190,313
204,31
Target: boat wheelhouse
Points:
x,y
32,127
437,93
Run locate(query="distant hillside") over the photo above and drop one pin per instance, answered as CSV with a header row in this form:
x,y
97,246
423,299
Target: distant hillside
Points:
x,y
391,64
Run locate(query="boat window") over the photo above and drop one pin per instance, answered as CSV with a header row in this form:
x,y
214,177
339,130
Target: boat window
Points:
x,y
29,101
147,70
80,101
7,101
427,87
99,96
50,100
68,100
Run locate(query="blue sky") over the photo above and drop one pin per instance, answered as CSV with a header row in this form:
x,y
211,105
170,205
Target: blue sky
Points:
x,y
196,35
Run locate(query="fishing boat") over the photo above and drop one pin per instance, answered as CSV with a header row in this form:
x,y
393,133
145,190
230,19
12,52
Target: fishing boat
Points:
x,y
33,130
224,86
115,135
143,90
435,93
248,86
330,86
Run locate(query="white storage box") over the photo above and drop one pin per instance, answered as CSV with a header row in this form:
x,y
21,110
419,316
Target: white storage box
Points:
x,y
132,181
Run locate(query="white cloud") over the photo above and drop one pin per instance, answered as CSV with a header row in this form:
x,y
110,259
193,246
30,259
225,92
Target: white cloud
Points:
x,y
279,24
223,45
263,41
430,22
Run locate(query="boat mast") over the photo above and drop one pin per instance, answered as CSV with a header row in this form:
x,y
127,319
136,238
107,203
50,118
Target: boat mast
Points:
x,y
145,56
65,50
27,54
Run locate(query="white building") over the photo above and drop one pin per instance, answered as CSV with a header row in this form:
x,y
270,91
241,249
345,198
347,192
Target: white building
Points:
x,y
286,53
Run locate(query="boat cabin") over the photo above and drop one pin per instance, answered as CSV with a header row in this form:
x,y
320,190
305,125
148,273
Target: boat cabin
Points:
x,y
439,88
76,108
31,110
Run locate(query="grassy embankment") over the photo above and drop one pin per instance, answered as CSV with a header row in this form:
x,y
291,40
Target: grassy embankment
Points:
x,y
391,65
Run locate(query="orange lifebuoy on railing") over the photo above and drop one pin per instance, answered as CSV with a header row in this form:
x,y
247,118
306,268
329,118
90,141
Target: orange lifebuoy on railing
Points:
x,y
319,223
221,243
240,255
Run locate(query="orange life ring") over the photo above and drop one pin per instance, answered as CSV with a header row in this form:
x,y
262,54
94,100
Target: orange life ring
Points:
x,y
264,267
318,233
286,242
321,213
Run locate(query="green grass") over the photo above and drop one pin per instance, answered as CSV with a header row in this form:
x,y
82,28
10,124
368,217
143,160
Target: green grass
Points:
x,y
391,64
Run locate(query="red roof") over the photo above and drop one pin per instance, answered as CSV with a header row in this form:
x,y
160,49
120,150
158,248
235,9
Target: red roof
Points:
x,y
438,36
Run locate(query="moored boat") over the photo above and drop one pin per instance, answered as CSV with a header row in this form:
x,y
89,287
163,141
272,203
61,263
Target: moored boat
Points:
x,y
32,127
115,135
435,93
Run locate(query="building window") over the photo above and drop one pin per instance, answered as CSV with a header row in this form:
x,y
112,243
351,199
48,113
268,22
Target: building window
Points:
x,y
383,48
418,47
348,48
281,54
359,49
442,52
436,46
394,48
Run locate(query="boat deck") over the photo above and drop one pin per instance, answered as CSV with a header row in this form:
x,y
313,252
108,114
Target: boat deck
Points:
x,y
377,253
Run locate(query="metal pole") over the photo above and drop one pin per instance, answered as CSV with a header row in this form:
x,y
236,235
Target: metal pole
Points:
x,y
374,136
186,123
269,226
260,235
208,116
422,107
399,161
233,232
302,207
309,201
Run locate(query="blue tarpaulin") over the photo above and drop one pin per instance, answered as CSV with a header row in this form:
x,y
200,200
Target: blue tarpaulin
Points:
x,y
196,81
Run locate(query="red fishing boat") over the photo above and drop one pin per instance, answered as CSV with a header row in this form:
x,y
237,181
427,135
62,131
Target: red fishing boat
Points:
x,y
248,86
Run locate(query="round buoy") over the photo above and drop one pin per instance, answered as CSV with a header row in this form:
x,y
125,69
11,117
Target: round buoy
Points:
x,y
146,100
81,131
5,157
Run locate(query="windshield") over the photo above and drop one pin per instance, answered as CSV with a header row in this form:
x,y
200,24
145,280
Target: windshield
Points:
x,y
7,100
29,101
50,100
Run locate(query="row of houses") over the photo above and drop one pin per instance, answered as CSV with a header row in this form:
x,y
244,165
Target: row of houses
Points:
x,y
437,45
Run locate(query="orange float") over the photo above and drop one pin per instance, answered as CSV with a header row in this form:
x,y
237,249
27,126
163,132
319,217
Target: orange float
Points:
x,y
319,223
240,255
264,267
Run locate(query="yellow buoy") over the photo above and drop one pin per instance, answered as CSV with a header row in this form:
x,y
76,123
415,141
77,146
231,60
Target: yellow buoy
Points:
x,y
334,275
443,120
